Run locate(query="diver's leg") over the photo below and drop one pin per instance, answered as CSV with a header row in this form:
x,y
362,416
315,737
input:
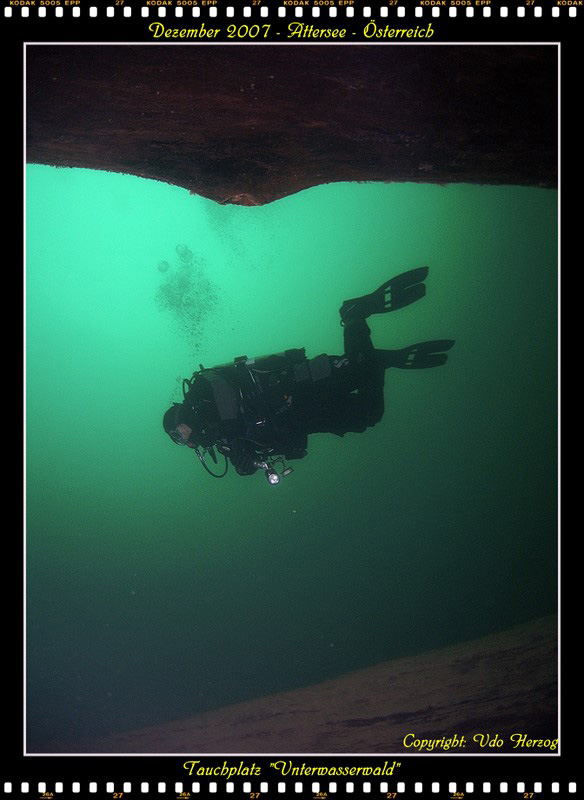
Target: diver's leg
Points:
x,y
352,411
364,407
357,342
371,395
416,356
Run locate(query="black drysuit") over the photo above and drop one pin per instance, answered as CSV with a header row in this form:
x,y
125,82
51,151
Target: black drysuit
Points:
x,y
326,394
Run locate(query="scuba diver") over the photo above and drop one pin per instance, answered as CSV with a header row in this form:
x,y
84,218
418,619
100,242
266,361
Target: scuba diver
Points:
x,y
258,412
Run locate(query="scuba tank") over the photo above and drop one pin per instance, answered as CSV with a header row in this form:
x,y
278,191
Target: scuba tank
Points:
x,y
242,394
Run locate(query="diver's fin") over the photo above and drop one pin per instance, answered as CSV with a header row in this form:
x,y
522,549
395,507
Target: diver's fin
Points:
x,y
416,356
395,293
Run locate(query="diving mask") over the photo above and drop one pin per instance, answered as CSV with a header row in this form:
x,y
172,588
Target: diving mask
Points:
x,y
181,435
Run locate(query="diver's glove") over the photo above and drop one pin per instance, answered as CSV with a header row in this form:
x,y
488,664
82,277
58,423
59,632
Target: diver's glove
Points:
x,y
243,461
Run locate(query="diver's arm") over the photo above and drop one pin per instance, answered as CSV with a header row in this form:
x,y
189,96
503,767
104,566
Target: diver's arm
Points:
x,y
241,455
296,452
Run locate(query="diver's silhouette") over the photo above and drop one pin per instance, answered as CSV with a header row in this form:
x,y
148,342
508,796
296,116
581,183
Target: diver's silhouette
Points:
x,y
258,412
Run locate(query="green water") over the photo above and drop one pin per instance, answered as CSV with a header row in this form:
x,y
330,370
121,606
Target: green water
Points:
x,y
155,592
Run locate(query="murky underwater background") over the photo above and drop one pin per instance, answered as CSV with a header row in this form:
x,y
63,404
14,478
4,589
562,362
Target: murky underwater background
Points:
x,y
154,591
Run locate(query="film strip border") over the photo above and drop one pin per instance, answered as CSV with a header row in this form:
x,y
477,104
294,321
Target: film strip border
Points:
x,y
315,789
182,8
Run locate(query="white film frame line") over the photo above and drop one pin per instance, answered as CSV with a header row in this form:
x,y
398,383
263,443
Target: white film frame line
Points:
x,y
212,12
295,787
298,787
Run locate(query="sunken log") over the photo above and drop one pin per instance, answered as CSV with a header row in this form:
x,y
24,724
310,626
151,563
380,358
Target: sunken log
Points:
x,y
252,124
497,694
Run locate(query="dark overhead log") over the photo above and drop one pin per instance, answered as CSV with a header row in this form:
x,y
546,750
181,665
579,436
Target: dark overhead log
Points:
x,y
251,124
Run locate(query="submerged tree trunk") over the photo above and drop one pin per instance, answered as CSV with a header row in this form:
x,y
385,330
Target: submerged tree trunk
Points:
x,y
497,694
249,125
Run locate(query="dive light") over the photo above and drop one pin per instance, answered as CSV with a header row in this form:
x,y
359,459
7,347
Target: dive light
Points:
x,y
272,475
